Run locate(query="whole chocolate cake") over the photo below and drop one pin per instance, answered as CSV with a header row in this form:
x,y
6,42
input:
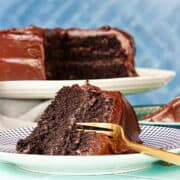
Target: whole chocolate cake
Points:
x,y
57,134
167,113
35,53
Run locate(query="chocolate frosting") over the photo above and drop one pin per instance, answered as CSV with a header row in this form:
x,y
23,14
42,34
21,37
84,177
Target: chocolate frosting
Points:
x,y
122,113
168,113
22,55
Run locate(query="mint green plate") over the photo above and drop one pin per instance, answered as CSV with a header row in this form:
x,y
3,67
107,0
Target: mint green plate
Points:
x,y
144,110
175,125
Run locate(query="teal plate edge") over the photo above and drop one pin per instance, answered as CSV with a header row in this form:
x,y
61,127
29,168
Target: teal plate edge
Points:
x,y
143,110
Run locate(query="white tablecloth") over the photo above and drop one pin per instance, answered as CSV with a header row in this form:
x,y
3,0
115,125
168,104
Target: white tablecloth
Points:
x,y
20,113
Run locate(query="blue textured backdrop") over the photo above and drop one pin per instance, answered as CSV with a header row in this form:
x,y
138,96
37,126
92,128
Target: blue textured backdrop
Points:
x,y
154,24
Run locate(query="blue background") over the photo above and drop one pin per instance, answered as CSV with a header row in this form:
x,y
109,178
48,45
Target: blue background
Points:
x,y
154,24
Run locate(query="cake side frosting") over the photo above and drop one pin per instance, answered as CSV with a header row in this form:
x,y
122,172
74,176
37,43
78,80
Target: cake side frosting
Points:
x,y
21,54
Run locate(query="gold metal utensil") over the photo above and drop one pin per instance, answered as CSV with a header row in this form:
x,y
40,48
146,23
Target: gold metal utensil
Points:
x,y
116,131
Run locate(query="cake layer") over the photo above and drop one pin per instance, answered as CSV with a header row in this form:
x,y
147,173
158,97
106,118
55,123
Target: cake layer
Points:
x,y
92,48
88,69
89,54
57,134
104,39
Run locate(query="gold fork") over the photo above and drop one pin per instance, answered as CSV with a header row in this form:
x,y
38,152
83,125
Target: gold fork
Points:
x,y
116,131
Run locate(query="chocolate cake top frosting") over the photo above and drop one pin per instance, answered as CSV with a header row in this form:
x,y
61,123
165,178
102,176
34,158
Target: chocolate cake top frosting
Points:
x,y
167,113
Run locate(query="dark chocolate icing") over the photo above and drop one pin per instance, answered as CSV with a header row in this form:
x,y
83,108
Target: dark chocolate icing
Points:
x,y
168,113
122,113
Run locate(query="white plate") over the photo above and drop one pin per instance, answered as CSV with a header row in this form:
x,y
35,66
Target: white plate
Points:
x,y
160,137
149,79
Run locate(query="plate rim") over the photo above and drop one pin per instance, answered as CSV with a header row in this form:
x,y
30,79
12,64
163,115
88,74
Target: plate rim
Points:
x,y
28,165
170,73
82,156
159,123
150,79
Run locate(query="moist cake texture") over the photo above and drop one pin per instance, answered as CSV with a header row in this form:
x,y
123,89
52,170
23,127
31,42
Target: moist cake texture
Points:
x,y
56,133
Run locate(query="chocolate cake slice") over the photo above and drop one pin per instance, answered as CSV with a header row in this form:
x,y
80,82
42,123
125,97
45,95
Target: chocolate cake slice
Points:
x,y
167,113
56,133
39,53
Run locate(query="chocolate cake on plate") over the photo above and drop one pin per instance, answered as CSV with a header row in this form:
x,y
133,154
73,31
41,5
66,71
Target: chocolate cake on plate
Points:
x,y
167,113
35,53
57,134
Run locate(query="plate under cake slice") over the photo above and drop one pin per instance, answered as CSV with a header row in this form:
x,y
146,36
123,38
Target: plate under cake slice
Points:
x,y
35,53
56,133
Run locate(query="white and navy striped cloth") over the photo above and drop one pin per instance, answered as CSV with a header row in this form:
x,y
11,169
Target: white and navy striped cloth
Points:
x,y
155,136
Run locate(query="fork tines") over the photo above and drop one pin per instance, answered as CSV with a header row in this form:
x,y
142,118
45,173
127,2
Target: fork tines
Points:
x,y
98,125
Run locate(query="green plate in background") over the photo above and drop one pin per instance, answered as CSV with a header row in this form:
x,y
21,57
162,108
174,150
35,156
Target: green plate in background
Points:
x,y
144,110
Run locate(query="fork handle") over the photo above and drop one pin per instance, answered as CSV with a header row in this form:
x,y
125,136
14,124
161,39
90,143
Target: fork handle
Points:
x,y
161,154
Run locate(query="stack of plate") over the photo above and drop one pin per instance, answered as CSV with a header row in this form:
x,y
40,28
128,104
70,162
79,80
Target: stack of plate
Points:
x,y
155,136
